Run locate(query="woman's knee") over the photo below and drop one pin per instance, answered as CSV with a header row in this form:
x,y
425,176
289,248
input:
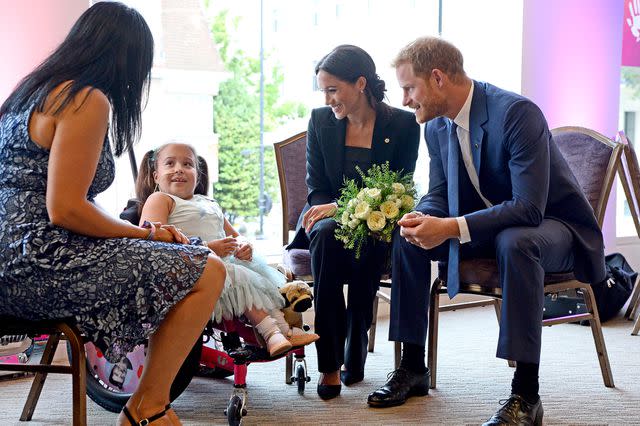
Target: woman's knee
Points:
x,y
323,229
213,276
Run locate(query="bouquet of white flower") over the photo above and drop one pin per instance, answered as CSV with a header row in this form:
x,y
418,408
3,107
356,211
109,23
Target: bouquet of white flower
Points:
x,y
374,209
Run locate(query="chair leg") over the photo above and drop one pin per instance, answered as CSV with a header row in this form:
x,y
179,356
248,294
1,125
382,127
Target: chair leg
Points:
x,y
432,351
397,355
79,374
636,327
598,337
634,301
39,379
288,370
374,322
497,305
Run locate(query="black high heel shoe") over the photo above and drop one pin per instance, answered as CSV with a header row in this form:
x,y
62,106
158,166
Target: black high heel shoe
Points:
x,y
328,391
146,421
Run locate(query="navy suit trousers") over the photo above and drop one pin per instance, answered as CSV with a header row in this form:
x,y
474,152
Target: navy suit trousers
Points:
x,y
523,255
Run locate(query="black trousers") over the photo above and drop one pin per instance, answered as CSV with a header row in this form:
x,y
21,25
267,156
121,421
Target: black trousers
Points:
x,y
343,328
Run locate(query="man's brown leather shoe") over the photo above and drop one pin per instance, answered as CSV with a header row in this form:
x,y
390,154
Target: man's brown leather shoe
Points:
x,y
517,412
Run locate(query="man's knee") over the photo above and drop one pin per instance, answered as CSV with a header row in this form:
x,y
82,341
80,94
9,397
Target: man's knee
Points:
x,y
516,242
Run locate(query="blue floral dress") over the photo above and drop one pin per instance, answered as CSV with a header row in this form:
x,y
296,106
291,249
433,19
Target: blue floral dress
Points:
x,y
117,289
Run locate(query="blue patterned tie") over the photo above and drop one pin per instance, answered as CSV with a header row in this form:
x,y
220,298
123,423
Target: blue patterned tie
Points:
x,y
453,276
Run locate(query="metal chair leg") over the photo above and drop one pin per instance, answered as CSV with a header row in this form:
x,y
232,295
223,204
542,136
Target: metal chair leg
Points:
x,y
634,301
598,337
397,355
636,327
288,369
374,322
434,311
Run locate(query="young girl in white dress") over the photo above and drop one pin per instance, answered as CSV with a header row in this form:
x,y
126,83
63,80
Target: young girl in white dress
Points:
x,y
169,185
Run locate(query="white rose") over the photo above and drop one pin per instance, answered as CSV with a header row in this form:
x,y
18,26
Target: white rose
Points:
x,y
389,209
392,197
351,204
398,188
374,193
407,202
376,221
362,210
354,223
361,194
398,202
345,217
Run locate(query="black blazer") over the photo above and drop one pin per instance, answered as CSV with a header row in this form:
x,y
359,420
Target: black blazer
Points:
x,y
396,136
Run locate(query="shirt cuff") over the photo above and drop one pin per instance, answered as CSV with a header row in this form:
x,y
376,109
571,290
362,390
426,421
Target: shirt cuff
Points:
x,y
465,237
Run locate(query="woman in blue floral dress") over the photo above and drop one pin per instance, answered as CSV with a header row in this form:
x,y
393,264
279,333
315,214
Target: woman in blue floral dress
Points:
x,y
61,256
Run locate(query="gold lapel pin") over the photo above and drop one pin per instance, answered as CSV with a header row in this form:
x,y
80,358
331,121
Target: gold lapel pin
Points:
x,y
387,140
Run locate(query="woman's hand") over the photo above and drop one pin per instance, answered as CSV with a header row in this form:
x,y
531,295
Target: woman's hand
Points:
x,y
178,236
315,213
166,233
224,246
245,252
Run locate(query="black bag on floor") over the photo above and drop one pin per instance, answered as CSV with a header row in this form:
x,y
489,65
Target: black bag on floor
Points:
x,y
610,294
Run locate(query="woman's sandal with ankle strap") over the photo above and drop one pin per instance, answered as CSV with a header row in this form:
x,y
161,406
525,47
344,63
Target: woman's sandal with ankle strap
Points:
x,y
144,422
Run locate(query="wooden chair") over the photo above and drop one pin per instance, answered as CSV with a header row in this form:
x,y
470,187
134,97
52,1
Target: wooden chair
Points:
x,y
56,329
594,159
291,162
629,173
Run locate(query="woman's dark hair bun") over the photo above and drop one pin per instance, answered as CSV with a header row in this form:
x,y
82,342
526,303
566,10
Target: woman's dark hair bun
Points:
x,y
378,88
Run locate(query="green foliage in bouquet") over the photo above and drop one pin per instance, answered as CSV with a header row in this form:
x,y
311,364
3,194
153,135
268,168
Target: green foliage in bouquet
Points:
x,y
373,210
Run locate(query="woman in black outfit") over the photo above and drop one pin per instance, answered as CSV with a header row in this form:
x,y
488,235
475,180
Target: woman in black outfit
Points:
x,y
356,128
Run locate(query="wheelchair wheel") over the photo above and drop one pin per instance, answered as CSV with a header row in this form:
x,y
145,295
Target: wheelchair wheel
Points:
x,y
301,378
111,385
234,411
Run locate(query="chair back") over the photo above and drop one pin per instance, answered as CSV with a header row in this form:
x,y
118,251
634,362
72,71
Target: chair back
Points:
x,y
630,178
291,160
593,158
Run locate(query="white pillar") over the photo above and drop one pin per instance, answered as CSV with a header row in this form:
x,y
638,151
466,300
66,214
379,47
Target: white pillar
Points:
x,y
29,31
571,55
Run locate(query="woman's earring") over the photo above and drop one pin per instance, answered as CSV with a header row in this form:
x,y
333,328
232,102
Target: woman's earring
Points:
x,y
157,188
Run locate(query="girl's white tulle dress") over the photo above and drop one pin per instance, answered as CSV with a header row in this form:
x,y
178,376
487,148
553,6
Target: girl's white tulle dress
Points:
x,y
248,285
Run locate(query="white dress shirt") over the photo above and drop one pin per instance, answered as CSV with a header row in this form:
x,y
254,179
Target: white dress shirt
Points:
x,y
464,137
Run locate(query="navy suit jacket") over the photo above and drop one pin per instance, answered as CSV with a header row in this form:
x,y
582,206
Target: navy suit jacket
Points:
x,y
396,137
520,171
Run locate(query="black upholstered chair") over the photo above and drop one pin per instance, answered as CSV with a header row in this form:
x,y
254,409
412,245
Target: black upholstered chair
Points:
x,y
594,160
291,162
629,173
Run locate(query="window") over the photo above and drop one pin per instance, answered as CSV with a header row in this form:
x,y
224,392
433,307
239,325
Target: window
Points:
x,y
188,69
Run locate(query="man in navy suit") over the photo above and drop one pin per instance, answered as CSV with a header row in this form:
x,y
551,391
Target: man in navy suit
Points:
x,y
492,159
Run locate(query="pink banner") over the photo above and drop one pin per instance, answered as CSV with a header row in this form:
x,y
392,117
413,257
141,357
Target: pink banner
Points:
x,y
631,34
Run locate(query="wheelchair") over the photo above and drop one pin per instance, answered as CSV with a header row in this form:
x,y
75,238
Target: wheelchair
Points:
x,y
225,349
